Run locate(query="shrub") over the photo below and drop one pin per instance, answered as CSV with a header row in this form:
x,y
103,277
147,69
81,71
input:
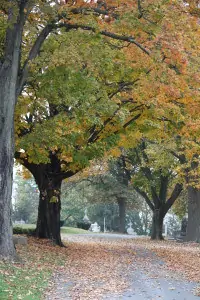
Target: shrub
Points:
x,y
20,230
83,225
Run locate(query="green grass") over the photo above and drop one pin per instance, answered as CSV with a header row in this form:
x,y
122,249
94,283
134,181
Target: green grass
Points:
x,y
72,230
28,281
17,282
27,226
66,230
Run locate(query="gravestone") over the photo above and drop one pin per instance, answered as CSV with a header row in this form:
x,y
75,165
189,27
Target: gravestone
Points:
x,y
20,240
130,229
95,227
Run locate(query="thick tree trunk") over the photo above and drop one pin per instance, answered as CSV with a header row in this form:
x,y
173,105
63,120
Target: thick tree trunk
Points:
x,y
7,101
193,227
9,68
157,225
48,178
48,222
122,214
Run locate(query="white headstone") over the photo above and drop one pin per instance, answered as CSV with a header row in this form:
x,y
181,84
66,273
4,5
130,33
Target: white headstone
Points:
x,y
95,227
130,229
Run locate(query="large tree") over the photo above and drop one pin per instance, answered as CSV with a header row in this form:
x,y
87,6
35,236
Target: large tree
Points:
x,y
38,19
21,19
61,126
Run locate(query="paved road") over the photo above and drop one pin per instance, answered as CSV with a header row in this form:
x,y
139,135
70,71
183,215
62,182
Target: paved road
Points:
x,y
144,287
148,281
99,235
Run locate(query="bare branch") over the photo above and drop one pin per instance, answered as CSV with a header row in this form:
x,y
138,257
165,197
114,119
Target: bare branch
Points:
x,y
122,86
131,120
146,198
124,38
176,192
33,54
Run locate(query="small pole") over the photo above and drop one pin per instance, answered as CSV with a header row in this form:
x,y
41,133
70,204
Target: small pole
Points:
x,y
104,224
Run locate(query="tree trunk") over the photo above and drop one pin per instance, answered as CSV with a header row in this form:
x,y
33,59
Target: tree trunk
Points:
x,y
7,101
9,69
157,225
193,227
48,222
122,214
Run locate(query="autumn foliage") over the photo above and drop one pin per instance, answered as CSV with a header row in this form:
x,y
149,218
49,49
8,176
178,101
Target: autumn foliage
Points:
x,y
86,76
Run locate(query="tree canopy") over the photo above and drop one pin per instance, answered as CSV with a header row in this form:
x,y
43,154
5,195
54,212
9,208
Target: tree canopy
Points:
x,y
159,40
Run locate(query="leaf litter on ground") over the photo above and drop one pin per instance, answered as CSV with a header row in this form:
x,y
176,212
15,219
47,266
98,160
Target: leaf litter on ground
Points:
x,y
97,267
91,268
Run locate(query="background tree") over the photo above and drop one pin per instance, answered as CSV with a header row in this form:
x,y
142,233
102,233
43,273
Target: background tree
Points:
x,y
74,202
122,177
104,183
25,199
153,175
103,193
145,214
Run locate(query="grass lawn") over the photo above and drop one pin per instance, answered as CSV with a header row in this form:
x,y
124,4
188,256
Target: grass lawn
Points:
x,y
72,230
29,279
66,230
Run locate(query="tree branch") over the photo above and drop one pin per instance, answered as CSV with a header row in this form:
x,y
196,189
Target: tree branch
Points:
x,y
124,38
122,86
147,173
49,28
180,157
131,121
98,11
146,198
176,192
114,36
33,54
141,13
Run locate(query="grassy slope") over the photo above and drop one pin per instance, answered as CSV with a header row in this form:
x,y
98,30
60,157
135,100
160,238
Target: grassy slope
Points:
x,y
27,281
72,230
66,230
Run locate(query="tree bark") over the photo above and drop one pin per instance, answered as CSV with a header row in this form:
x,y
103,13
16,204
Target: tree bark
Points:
x,y
48,178
7,98
122,214
193,227
48,222
8,86
157,224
